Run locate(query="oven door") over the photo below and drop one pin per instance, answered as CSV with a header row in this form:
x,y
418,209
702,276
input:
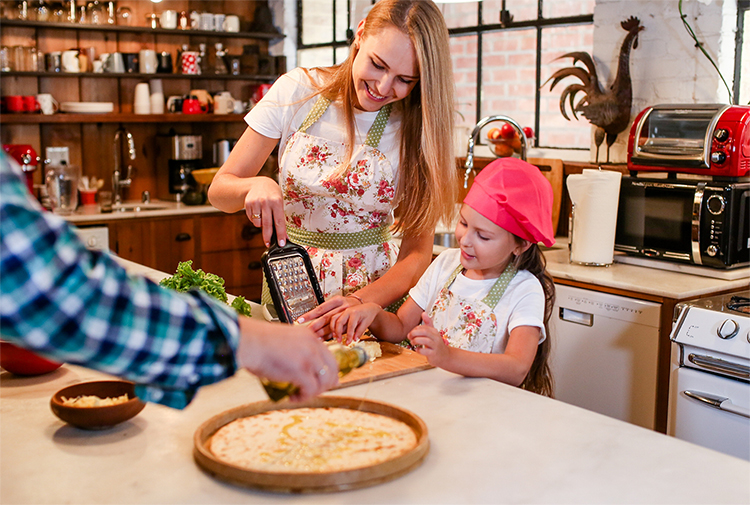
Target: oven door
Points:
x,y
655,219
724,428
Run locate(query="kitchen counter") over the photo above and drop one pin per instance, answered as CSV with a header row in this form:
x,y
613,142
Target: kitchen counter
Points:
x,y
159,208
489,442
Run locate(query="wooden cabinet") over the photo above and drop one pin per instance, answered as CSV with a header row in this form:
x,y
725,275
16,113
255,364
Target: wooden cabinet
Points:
x,y
223,244
157,243
231,248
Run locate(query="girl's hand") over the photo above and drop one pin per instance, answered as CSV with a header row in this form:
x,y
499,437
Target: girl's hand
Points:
x,y
349,325
264,206
320,316
429,343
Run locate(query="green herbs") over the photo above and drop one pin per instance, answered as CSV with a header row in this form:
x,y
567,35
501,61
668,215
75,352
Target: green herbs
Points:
x,y
186,279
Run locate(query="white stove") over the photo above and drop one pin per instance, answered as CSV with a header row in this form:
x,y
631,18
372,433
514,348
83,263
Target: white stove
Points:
x,y
709,387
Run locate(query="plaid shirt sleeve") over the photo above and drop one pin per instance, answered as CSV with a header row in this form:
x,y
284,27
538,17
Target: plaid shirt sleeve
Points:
x,y
81,307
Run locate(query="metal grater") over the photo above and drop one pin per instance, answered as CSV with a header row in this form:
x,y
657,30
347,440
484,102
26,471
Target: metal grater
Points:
x,y
291,280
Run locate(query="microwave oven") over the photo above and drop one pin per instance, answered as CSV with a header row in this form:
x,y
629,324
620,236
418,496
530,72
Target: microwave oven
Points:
x,y
688,221
705,139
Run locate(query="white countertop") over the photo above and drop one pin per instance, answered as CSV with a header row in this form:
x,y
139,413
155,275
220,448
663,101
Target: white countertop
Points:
x,y
489,442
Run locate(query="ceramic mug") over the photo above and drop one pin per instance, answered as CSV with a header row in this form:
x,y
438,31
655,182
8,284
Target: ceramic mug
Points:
x,y
219,22
30,104
113,63
223,103
189,63
147,61
206,21
70,62
47,103
232,23
13,103
168,19
174,104
192,105
142,99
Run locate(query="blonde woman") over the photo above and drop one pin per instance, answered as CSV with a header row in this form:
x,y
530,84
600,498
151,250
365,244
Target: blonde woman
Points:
x,y
359,141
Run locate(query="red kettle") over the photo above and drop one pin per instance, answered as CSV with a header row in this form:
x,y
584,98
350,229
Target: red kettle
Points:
x,y
26,156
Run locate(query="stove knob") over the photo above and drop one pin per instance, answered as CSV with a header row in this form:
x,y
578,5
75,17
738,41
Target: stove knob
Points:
x,y
728,329
718,157
712,250
721,135
715,204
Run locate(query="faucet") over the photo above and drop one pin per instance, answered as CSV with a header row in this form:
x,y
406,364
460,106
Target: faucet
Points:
x,y
469,166
118,182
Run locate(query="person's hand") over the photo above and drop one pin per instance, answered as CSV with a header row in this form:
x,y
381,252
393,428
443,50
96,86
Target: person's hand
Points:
x,y
264,206
429,343
287,353
319,318
349,325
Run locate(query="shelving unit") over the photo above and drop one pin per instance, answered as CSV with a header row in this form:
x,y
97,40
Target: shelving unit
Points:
x,y
90,137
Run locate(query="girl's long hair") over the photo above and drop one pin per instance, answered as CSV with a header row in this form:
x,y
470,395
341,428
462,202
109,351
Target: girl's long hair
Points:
x,y
539,378
428,177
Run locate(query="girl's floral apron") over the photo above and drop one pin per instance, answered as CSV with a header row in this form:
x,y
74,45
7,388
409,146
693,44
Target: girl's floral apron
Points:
x,y
342,216
468,323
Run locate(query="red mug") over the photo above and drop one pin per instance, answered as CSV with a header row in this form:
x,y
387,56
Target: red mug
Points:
x,y
13,103
192,106
30,104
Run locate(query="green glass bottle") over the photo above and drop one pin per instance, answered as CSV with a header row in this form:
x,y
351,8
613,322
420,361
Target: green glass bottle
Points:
x,y
347,358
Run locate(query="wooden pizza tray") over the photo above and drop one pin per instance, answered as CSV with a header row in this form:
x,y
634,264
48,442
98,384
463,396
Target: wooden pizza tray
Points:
x,y
395,361
318,482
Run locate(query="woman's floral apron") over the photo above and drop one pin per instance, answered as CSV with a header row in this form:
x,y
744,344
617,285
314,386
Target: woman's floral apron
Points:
x,y
465,323
341,216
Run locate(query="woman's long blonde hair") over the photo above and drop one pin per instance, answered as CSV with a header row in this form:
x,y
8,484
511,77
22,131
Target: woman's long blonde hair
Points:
x,y
428,178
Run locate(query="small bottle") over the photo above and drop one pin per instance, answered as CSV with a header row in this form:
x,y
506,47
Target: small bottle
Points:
x,y
347,358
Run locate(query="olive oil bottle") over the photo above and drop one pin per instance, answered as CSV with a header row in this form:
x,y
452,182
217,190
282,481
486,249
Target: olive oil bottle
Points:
x,y
347,358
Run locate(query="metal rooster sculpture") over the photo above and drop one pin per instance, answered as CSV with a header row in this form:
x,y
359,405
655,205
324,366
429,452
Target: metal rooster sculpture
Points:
x,y
608,111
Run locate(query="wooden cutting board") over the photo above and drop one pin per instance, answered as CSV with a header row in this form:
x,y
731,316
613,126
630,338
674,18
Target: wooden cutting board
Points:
x,y
395,361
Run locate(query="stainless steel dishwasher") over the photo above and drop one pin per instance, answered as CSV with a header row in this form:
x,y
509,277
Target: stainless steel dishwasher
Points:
x,y
604,353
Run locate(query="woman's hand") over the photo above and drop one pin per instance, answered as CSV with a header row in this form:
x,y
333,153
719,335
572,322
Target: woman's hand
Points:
x,y
429,343
287,353
264,206
320,317
349,325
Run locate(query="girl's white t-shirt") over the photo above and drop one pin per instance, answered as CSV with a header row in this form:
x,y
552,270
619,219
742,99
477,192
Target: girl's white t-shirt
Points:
x,y
285,106
521,305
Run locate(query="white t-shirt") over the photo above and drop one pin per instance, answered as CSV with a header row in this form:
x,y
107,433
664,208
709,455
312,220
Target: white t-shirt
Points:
x,y
285,106
521,305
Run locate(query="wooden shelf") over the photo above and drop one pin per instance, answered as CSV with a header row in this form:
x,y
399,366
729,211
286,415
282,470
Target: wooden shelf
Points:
x,y
140,29
117,117
80,75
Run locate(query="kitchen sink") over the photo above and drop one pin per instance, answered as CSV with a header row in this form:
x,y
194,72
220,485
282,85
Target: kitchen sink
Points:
x,y
138,207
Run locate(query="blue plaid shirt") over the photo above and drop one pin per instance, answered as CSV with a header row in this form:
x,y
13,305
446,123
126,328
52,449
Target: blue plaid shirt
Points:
x,y
78,306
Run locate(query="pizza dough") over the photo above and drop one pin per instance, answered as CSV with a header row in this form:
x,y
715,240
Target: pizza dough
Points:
x,y
311,440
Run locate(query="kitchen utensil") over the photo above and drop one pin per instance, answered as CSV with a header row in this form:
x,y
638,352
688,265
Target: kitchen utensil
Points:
x,y
30,104
314,481
168,19
147,61
157,96
595,195
70,61
291,280
192,105
97,418
222,148
232,23
223,103
13,103
189,62
164,63
219,22
88,196
174,104
205,175
26,156
132,62
20,361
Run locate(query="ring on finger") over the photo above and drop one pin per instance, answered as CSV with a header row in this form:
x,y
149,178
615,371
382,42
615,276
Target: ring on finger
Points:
x,y
322,371
255,216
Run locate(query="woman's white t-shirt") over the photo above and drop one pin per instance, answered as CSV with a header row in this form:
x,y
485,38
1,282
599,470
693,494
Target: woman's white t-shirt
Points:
x,y
521,305
285,106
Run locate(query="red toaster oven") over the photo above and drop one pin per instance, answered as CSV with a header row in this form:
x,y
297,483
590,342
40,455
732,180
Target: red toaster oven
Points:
x,y
705,139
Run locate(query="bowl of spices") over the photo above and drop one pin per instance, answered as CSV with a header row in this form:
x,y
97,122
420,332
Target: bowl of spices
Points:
x,y
97,405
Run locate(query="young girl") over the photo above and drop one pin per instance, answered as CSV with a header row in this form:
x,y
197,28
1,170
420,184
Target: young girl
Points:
x,y
357,141
484,307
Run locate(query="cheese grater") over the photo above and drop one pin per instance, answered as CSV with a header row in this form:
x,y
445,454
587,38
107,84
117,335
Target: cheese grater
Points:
x,y
291,280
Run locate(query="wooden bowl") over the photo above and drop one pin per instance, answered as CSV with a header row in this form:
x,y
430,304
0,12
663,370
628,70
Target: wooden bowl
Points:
x,y
97,418
204,175
314,482
20,361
